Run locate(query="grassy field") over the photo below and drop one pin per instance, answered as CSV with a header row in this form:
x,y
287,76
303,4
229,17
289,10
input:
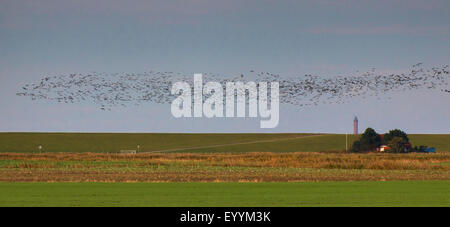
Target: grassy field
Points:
x,y
79,169
394,193
213,167
191,143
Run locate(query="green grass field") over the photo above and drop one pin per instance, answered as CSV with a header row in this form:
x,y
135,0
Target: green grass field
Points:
x,y
393,193
114,142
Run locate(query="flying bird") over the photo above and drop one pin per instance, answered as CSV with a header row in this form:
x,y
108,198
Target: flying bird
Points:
x,y
133,89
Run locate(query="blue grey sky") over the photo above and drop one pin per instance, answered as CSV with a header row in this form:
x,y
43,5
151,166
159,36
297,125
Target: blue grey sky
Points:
x,y
322,37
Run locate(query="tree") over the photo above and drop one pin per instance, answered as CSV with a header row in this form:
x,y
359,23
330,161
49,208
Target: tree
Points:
x,y
368,141
395,133
398,145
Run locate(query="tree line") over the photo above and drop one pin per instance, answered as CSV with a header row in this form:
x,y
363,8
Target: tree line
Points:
x,y
396,140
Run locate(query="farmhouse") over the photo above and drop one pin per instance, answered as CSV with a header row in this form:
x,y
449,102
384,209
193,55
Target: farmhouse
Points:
x,y
383,148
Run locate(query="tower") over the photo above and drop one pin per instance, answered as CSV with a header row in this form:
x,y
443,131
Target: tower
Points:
x,y
355,126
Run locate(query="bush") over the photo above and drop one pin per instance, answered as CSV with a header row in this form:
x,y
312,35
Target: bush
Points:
x,y
420,149
398,145
356,147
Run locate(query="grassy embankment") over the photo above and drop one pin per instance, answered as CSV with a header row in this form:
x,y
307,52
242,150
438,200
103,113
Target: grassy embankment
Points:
x,y
191,143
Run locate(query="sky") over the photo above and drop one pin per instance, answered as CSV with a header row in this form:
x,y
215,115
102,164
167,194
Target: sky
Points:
x,y
323,37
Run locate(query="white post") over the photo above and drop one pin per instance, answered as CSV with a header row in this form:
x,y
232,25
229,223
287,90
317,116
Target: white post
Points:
x,y
40,149
138,148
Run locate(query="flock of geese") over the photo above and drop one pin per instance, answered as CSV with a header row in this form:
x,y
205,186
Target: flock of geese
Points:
x,y
113,90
